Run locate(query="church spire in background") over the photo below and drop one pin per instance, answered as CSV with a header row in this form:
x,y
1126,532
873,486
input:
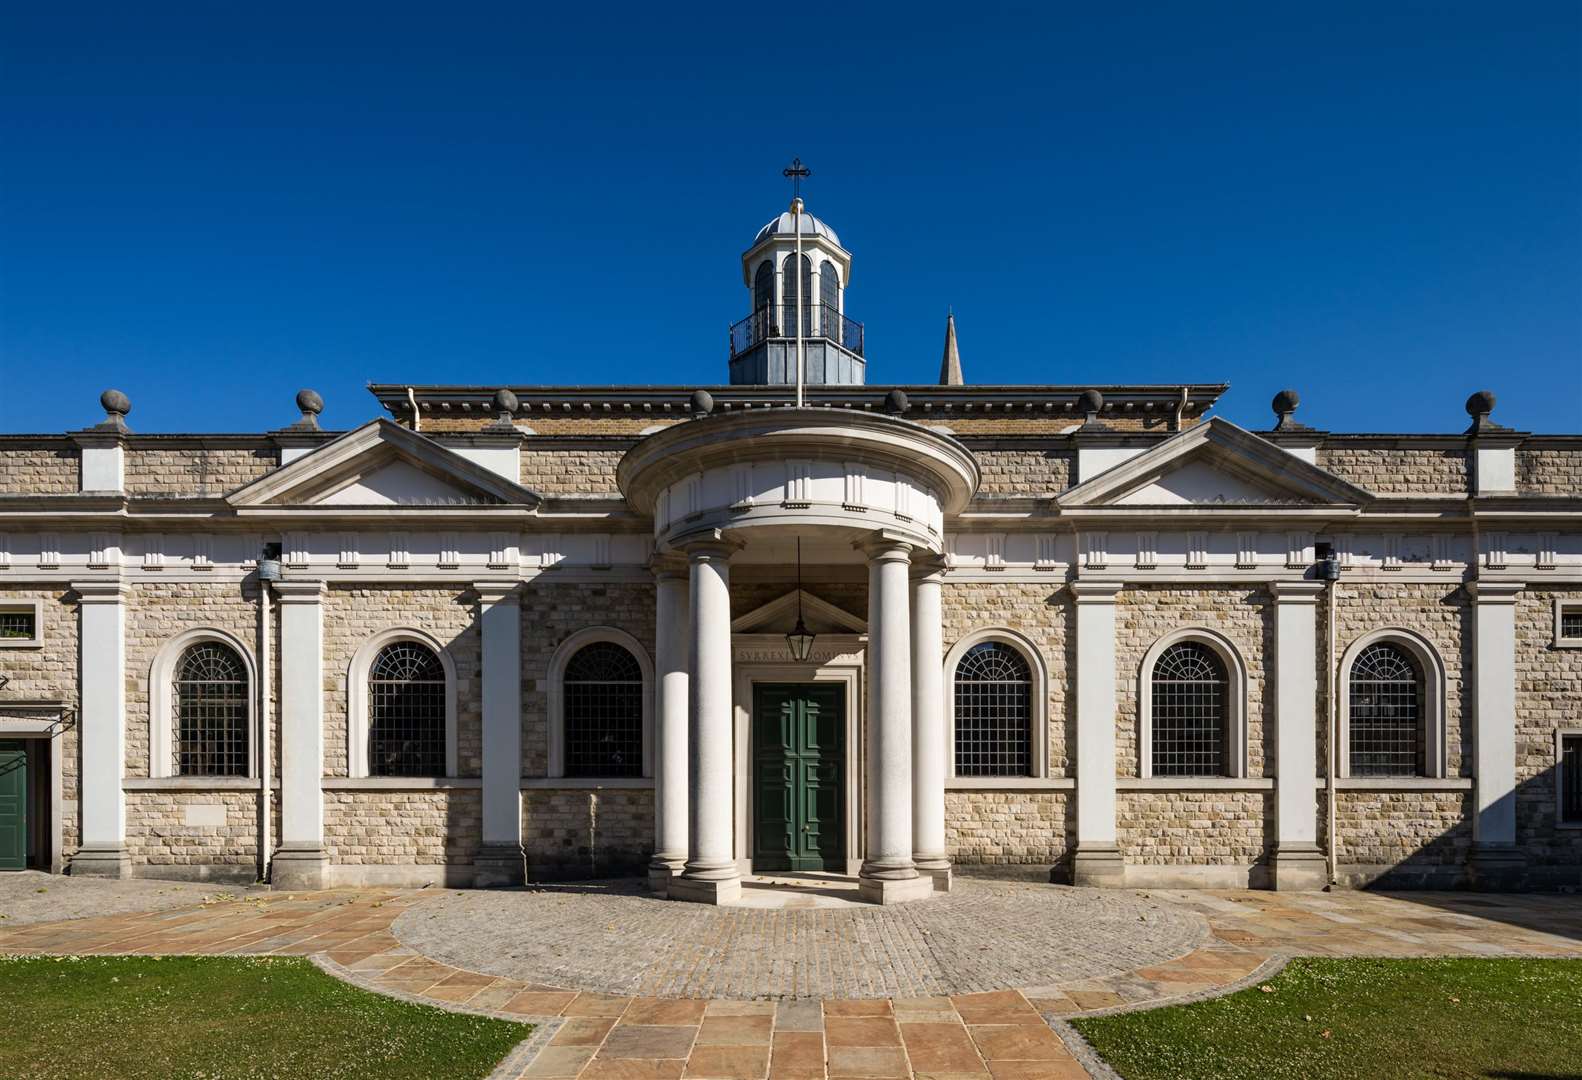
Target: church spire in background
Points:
x,y
950,364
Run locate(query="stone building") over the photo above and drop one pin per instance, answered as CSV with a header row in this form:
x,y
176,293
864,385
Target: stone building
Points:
x,y
571,631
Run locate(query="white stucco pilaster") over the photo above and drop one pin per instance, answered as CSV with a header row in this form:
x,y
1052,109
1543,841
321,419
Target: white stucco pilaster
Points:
x,y
500,860
1494,703
710,874
1298,862
102,730
672,639
1098,859
929,745
301,862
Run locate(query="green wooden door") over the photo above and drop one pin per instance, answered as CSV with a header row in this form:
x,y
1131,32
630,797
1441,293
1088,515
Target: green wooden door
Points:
x,y
13,806
799,753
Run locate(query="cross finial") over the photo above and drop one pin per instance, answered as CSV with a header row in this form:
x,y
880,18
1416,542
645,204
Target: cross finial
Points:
x,y
796,172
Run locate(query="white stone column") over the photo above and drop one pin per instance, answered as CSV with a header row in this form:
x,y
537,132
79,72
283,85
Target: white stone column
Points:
x,y
301,862
888,875
101,730
929,747
1298,862
500,860
710,874
1496,861
672,640
1098,859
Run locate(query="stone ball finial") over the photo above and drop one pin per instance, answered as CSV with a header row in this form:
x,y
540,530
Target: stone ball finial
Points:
x,y
1285,403
309,402
1480,404
896,402
505,403
115,403
1090,403
702,403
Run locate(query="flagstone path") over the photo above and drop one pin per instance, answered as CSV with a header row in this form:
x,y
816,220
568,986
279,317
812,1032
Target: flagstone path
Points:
x,y
1001,1034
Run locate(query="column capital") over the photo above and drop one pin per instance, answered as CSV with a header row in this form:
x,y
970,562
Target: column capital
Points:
x,y
1096,592
1495,592
298,591
100,592
882,546
492,592
1296,592
929,567
709,544
667,566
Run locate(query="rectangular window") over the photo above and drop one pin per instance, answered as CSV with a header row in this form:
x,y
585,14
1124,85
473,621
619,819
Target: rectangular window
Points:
x,y
20,623
1568,622
1570,778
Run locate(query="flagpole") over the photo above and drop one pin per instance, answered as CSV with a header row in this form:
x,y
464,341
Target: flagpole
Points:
x,y
801,355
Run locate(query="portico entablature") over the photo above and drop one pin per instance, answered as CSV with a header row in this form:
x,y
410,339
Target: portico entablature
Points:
x,y
802,470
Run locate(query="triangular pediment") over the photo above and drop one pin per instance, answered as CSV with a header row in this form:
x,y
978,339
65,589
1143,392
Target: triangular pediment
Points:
x,y
1215,464
779,617
382,464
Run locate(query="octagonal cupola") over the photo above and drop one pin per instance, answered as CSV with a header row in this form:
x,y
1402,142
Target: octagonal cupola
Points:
x,y
764,344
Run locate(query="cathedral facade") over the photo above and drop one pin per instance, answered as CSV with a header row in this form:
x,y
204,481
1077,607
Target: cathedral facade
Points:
x,y
498,635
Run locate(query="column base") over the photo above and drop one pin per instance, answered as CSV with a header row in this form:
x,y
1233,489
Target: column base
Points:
x,y
704,890
499,866
661,872
1299,867
938,869
1098,866
885,891
1497,869
296,867
101,861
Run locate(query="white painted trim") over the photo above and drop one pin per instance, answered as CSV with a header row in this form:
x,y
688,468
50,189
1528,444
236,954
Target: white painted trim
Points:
x,y
357,718
1194,783
1011,783
36,605
557,694
1404,783
402,783
162,702
1560,640
1038,746
1433,698
1235,700
1562,733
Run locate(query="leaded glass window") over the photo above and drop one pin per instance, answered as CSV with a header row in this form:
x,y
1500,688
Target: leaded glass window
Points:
x,y
764,286
994,712
211,694
1188,711
602,702
406,712
789,298
1386,712
1571,623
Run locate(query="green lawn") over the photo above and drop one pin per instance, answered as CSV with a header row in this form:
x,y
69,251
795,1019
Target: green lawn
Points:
x,y
219,1018
1366,1018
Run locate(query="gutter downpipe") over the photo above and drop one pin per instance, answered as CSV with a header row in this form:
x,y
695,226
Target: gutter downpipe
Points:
x,y
801,356
411,399
265,751
1181,408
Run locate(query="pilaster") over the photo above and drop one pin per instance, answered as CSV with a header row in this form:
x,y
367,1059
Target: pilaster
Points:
x,y
500,859
1298,863
102,730
1495,858
1098,859
301,861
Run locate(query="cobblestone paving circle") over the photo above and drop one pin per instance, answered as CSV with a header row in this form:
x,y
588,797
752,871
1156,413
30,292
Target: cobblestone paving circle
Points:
x,y
614,938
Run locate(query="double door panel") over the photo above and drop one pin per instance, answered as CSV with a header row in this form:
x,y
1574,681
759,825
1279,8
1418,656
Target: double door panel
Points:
x,y
799,756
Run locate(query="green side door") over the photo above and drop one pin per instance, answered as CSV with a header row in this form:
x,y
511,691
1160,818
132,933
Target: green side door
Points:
x,y
799,735
13,806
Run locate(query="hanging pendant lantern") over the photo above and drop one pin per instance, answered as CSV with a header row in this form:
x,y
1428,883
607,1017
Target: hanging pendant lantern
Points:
x,y
800,639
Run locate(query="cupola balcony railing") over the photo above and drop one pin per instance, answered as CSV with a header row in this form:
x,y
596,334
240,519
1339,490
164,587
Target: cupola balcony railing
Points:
x,y
778,321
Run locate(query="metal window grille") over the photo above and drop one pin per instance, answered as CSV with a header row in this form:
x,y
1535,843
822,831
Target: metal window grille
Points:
x,y
1189,688
994,711
1386,713
602,696
17,624
1571,623
1571,778
211,712
406,712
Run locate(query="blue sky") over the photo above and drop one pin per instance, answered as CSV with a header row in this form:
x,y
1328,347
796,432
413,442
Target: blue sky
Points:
x,y
210,206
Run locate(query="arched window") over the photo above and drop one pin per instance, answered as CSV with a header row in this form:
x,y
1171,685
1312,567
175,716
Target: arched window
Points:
x,y
602,705
829,300
789,294
406,712
211,698
1386,712
1188,710
993,712
764,286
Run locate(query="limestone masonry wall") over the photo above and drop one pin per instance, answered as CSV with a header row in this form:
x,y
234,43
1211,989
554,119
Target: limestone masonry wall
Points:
x,y
1213,828
403,828
587,833
194,471
579,471
1009,827
38,470
1023,471
1399,471
352,615
1403,830
174,834
1548,697
50,674
1549,472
